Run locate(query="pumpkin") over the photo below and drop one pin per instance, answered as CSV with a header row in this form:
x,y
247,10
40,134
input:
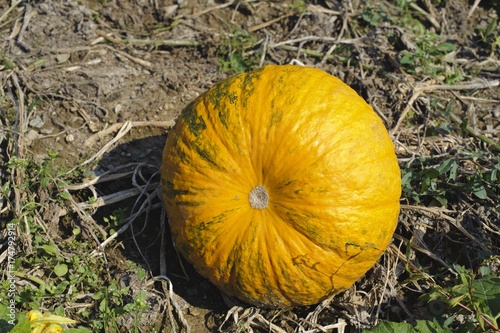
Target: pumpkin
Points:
x,y
281,186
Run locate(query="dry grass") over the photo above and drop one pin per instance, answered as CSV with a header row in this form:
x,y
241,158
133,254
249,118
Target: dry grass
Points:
x,y
98,209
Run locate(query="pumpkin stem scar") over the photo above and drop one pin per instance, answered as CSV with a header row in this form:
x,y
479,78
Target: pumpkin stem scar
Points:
x,y
258,197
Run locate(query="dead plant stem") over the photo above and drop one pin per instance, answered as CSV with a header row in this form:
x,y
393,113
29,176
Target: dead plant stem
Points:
x,y
424,87
11,8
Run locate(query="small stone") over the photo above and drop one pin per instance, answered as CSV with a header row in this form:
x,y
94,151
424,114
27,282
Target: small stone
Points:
x,y
36,122
61,58
32,135
117,108
169,11
70,138
193,311
44,8
47,130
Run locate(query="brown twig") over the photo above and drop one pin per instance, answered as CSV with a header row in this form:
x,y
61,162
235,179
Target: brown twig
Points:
x,y
424,251
115,127
425,87
268,23
140,42
450,219
11,8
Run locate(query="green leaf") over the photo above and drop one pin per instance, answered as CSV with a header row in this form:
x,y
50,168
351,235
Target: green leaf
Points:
x,y
463,273
442,200
493,176
64,195
451,166
491,27
61,269
453,172
484,270
60,288
22,324
103,305
427,326
454,301
49,248
391,327
141,274
406,59
129,307
480,191
446,47
406,179
487,290
44,182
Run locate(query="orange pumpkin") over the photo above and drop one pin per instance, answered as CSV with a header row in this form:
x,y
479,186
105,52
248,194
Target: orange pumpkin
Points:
x,y
281,185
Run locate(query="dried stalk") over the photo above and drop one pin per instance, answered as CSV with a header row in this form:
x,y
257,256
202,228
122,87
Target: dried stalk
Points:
x,y
424,87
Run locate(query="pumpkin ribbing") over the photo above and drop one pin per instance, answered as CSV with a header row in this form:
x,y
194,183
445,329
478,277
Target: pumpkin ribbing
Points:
x,y
281,185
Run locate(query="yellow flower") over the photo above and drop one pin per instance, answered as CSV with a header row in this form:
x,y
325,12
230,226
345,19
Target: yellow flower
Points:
x,y
47,322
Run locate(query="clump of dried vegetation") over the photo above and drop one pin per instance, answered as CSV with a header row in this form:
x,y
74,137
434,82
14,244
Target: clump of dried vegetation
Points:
x,y
79,201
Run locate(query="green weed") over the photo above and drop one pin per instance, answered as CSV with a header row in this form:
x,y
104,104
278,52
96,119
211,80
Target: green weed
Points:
x,y
234,55
490,34
430,58
428,179
63,271
112,304
470,303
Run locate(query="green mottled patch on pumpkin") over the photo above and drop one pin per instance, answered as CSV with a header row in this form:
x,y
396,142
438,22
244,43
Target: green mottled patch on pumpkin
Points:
x,y
221,218
228,268
208,153
320,190
312,231
195,123
248,86
224,112
275,118
366,246
217,97
199,235
288,183
283,266
372,246
240,284
196,189
296,217
172,192
353,249
224,118
233,98
179,151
